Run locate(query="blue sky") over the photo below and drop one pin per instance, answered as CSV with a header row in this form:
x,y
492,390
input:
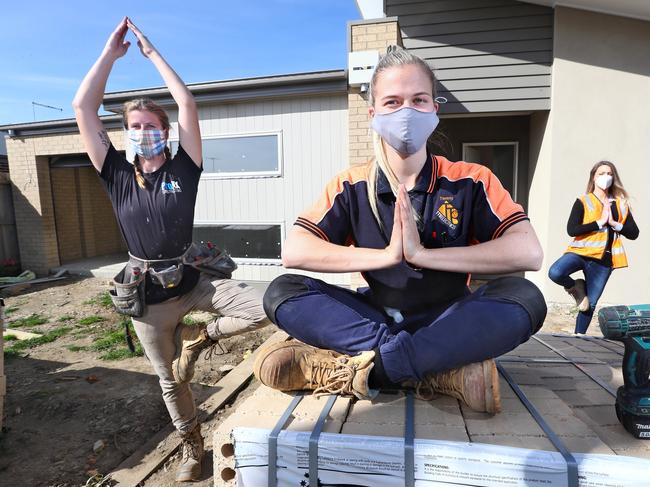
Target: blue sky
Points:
x,y
49,46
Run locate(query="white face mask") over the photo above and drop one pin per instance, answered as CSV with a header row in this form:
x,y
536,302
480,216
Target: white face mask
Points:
x,y
406,130
604,181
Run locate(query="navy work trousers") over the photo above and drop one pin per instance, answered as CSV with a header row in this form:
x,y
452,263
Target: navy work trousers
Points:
x,y
596,276
487,323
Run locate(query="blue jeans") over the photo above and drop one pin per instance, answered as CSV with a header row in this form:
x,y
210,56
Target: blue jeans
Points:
x,y
596,276
492,321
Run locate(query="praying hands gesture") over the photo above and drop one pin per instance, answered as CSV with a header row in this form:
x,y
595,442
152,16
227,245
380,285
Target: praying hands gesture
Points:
x,y
146,47
405,224
517,249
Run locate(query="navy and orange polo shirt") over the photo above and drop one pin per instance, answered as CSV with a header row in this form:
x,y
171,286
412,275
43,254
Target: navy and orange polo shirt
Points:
x,y
459,204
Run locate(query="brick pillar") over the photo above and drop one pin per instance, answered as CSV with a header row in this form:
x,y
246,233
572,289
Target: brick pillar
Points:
x,y
366,36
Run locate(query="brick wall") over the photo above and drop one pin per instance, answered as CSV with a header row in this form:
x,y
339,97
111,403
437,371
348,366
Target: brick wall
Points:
x,y
32,192
366,37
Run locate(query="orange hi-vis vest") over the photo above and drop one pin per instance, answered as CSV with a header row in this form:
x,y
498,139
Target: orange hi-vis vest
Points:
x,y
593,244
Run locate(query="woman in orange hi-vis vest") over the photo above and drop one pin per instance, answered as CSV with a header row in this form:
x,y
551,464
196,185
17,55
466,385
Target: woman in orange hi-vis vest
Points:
x,y
597,221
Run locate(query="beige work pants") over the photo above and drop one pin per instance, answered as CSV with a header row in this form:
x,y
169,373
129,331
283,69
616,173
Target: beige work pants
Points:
x,y
238,307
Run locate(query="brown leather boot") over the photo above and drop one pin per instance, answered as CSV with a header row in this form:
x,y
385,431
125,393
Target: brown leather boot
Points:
x,y
192,456
477,385
295,366
190,342
579,293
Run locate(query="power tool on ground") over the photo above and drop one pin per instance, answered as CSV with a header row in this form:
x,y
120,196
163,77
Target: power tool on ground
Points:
x,y
631,325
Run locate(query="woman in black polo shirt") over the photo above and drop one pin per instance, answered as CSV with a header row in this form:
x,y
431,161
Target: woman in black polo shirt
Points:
x,y
416,225
154,199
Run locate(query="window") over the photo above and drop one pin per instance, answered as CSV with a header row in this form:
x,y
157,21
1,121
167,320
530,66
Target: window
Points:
x,y
500,157
243,241
240,156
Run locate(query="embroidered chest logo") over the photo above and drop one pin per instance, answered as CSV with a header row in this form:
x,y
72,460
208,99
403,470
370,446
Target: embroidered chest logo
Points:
x,y
448,214
170,187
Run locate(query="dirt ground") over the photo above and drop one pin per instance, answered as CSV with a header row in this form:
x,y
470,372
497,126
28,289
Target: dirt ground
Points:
x,y
71,414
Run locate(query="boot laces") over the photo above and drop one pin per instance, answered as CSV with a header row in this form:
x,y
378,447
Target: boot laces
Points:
x,y
332,378
190,448
212,349
445,383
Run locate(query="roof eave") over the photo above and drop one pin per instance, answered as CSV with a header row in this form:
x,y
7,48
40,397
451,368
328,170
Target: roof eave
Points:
x,y
50,127
315,83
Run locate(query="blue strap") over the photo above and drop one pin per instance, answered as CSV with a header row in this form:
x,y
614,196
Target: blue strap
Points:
x,y
571,465
593,377
535,360
409,439
273,441
313,440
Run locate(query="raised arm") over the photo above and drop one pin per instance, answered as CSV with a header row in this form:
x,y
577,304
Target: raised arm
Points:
x,y
89,97
189,133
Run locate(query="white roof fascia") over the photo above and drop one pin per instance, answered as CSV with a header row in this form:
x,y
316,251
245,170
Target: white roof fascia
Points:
x,y
635,9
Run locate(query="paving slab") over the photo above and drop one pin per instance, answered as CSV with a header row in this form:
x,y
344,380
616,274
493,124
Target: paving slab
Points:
x,y
577,408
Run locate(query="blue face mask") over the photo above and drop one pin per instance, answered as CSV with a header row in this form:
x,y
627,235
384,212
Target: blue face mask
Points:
x,y
147,143
406,130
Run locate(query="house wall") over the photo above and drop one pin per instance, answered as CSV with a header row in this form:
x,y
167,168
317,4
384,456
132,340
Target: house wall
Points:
x,y
314,148
601,95
488,55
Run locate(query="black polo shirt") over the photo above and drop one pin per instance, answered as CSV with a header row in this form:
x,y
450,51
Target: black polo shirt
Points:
x,y
156,222
458,203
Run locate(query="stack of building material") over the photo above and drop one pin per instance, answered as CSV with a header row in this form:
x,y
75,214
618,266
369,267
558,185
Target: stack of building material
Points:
x,y
3,380
263,410
568,382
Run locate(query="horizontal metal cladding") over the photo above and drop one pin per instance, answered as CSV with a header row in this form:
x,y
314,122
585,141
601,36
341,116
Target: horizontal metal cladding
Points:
x,y
488,55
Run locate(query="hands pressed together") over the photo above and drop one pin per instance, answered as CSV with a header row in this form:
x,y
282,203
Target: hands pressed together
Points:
x,y
606,217
117,47
405,241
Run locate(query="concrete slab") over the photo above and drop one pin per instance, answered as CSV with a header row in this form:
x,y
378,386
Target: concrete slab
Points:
x,y
103,266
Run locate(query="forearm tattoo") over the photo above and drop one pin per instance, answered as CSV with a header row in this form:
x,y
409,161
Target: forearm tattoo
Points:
x,y
103,137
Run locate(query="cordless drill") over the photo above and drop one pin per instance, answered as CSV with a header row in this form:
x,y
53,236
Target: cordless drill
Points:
x,y
631,325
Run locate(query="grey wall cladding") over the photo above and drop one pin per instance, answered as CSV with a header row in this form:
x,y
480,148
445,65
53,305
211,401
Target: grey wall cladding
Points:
x,y
488,55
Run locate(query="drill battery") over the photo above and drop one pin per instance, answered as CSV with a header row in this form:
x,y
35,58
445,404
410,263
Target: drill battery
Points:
x,y
631,325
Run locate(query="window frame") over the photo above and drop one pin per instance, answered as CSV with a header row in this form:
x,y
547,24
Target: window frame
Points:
x,y
249,260
242,175
515,162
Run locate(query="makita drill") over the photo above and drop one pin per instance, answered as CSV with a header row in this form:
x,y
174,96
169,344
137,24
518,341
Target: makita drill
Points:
x,y
631,325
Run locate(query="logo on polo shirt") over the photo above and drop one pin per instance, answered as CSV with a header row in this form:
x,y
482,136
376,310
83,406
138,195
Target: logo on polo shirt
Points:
x,y
448,214
170,187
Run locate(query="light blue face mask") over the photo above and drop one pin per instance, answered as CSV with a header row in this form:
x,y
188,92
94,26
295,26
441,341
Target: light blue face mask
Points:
x,y
406,130
147,143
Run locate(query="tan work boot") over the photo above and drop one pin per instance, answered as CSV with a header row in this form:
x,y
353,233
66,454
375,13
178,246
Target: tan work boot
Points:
x,y
192,456
477,385
579,293
190,342
295,366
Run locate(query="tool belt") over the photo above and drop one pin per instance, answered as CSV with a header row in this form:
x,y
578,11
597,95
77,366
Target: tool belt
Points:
x,y
128,293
